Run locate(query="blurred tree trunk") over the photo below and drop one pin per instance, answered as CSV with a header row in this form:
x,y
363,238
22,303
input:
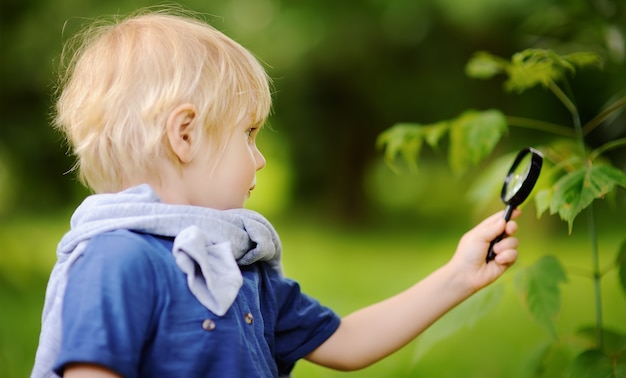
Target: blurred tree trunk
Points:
x,y
333,133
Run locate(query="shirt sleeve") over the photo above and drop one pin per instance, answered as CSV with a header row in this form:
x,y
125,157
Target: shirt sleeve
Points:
x,y
303,324
109,301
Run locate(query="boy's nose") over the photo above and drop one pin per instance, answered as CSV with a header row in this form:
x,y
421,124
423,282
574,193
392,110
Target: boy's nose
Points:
x,y
260,159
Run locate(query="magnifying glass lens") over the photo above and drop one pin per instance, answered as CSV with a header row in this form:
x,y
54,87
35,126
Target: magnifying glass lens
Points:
x,y
517,177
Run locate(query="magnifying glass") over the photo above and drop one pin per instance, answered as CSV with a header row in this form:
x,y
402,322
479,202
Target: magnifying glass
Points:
x,y
518,184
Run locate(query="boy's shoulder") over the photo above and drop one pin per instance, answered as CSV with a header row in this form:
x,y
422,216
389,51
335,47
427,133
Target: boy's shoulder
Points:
x,y
130,249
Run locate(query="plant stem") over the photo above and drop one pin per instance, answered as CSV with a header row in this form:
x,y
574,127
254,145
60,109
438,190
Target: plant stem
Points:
x,y
591,223
567,102
596,274
577,271
597,120
606,147
529,123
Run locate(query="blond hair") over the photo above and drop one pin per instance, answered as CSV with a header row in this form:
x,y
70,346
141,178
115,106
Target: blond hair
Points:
x,y
123,78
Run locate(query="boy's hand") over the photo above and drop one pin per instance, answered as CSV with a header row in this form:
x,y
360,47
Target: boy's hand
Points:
x,y
469,263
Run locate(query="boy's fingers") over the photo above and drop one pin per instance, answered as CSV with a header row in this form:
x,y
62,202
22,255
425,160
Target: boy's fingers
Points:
x,y
516,213
507,257
511,227
506,243
493,226
490,228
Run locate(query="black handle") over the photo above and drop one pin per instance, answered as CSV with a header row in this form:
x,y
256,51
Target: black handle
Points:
x,y
507,215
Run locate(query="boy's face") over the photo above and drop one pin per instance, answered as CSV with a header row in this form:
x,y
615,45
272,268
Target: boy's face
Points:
x,y
227,184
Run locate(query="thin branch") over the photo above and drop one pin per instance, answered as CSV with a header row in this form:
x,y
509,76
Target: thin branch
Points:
x,y
596,273
606,113
529,123
578,271
607,268
607,147
563,98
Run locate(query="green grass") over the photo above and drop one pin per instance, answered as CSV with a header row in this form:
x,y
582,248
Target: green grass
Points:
x,y
27,257
346,269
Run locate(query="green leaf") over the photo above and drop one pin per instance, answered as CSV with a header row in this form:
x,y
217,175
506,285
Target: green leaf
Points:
x,y
542,201
484,66
473,136
406,140
620,262
584,59
592,364
539,286
547,361
532,67
576,190
566,200
433,133
566,153
613,342
403,139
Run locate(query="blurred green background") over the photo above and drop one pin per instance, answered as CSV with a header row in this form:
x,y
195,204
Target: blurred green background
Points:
x,y
354,232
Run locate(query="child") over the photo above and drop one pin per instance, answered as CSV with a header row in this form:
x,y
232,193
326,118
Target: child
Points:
x,y
163,273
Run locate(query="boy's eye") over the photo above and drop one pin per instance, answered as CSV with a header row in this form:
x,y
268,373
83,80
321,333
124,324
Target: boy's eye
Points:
x,y
251,131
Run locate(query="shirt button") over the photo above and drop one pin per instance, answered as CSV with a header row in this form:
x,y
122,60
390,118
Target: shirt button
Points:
x,y
208,325
248,318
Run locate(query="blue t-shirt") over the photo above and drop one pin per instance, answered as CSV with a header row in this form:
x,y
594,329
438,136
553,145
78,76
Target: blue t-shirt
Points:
x,y
128,307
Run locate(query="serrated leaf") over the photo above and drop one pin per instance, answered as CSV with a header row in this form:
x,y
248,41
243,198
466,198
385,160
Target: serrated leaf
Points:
x,y
566,152
576,190
484,65
584,59
404,139
566,197
613,342
539,286
592,364
542,201
473,136
620,262
613,174
433,133
532,67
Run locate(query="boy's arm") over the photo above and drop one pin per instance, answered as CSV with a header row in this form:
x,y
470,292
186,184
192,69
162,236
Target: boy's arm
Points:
x,y
374,332
88,371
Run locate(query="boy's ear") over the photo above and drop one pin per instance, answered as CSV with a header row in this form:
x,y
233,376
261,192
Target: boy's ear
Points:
x,y
180,131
